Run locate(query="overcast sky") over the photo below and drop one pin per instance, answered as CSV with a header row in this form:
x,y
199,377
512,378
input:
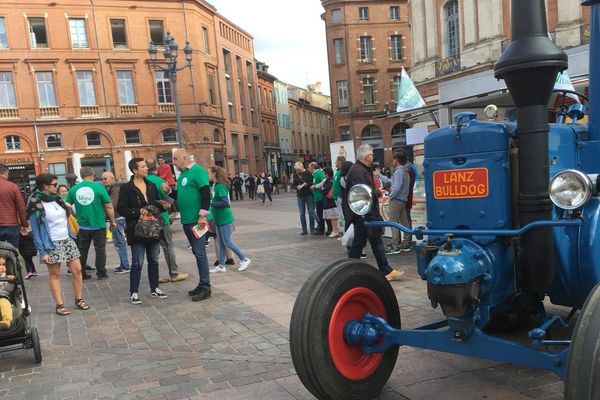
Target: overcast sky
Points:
x,y
292,45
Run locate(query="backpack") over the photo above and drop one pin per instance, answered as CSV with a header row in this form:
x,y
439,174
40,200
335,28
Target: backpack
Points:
x,y
150,226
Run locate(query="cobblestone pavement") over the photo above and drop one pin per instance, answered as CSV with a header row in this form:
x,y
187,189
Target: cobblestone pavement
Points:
x,y
235,345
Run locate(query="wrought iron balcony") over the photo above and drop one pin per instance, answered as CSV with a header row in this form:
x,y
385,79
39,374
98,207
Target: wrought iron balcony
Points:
x,y
447,65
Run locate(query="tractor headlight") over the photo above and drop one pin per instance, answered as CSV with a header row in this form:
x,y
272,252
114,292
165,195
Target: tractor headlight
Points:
x,y
360,199
570,189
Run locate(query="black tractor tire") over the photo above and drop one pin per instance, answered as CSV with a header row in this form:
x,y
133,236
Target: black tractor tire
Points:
x,y
583,368
310,325
37,349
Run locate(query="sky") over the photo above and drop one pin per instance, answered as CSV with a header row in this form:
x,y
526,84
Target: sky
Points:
x,y
292,45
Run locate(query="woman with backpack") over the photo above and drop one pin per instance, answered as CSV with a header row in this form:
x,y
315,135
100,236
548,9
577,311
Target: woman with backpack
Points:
x,y
220,213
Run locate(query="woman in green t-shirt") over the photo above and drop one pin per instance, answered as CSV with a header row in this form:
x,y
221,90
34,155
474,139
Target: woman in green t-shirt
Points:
x,y
220,213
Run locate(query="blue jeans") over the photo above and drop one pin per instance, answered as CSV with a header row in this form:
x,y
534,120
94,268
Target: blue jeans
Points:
x,y
373,236
224,237
199,250
137,261
120,244
10,234
308,203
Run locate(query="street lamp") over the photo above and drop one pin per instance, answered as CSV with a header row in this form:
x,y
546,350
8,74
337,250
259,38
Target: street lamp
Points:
x,y
170,54
107,162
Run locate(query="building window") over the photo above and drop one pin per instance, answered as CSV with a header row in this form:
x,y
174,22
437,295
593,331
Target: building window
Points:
x,y
157,32
216,136
163,87
366,48
227,61
336,16
345,133
3,35
85,86
169,135
37,33
93,139
371,132
60,171
394,12
342,88
119,34
368,87
7,91
363,13
452,33
133,137
78,33
338,47
13,143
205,40
125,84
396,47
53,140
45,87
395,88
212,94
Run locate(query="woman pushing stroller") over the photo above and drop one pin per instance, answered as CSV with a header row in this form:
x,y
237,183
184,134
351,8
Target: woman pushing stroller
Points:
x,y
54,239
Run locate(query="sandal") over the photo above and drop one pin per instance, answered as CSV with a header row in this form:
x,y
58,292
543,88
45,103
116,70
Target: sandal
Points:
x,y
61,310
79,303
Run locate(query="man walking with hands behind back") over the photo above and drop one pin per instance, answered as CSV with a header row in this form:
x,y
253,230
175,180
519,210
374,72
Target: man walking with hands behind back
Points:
x,y
193,198
92,206
13,215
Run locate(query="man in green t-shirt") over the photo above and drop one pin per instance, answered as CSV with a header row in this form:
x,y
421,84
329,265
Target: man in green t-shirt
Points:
x,y
318,177
166,240
193,199
92,205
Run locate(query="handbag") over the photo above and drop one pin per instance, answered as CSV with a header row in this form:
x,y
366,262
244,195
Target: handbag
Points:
x,y
73,224
150,224
260,188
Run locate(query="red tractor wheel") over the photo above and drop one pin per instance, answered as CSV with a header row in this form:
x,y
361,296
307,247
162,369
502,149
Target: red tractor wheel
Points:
x,y
334,295
583,368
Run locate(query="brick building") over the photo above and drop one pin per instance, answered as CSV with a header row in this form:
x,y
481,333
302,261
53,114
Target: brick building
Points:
x,y
368,43
75,81
238,83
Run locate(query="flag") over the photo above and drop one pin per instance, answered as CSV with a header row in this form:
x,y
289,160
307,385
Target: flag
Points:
x,y
408,95
563,82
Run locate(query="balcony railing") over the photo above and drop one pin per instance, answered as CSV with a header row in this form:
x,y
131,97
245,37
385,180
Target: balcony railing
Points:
x,y
585,34
89,111
129,109
368,108
9,113
343,109
166,108
447,65
49,112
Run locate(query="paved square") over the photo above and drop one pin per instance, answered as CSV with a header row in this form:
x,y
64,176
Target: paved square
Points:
x,y
235,345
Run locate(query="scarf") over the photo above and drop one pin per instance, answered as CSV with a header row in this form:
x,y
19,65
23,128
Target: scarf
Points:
x,y
36,207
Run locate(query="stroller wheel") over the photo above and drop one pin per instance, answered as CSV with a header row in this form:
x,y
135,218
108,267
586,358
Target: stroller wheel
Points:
x,y
37,350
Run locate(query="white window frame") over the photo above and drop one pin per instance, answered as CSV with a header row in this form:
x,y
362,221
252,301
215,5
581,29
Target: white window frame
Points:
x,y
59,135
396,43
163,87
336,16
87,139
139,136
13,143
395,12
342,89
86,89
3,34
78,31
366,48
338,51
363,13
8,97
45,88
125,87
368,82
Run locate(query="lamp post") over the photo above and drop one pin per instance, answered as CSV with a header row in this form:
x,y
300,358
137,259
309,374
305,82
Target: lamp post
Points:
x,y
107,162
170,54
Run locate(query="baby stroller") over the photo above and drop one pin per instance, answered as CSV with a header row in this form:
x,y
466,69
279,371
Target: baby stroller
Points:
x,y
20,334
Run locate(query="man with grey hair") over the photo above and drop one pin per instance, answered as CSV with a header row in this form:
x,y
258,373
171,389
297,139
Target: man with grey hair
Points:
x,y
166,238
360,173
302,180
92,204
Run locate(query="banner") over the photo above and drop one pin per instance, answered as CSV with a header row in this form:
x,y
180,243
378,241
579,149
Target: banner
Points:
x,y
563,82
345,149
409,97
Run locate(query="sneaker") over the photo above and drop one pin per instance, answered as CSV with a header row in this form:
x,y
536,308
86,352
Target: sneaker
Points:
x,y
134,299
333,235
34,274
202,295
158,294
195,291
163,279
244,264
182,276
395,274
218,268
29,275
392,249
303,233
230,261
121,271
404,249
216,264
363,255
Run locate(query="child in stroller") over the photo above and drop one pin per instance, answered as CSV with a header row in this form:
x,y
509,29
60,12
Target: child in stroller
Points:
x,y
6,289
